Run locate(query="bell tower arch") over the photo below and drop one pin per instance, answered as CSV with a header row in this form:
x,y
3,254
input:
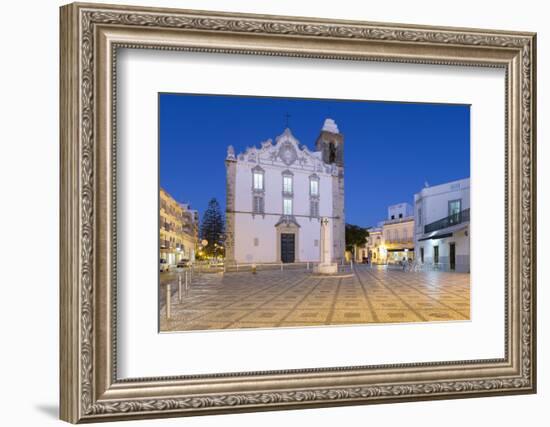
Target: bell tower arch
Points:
x,y
331,143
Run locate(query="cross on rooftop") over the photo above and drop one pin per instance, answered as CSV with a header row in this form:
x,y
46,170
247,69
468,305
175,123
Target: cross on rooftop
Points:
x,y
287,119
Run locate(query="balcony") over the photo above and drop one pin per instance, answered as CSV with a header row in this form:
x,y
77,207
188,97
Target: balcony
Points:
x,y
457,218
399,240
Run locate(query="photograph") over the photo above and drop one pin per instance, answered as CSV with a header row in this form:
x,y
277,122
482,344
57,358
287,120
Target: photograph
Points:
x,y
264,210
293,212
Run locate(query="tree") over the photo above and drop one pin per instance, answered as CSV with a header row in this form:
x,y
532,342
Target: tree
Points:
x,y
212,229
355,236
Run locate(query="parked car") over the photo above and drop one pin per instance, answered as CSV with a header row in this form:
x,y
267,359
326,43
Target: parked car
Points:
x,y
164,266
183,263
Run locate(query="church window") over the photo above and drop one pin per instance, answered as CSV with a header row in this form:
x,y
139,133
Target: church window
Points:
x,y
314,187
258,207
258,180
287,206
314,208
287,184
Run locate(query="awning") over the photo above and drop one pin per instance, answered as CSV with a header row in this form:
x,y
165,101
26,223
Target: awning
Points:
x,y
445,232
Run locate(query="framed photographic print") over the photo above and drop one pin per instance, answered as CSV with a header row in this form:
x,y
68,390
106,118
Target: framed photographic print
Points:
x,y
266,212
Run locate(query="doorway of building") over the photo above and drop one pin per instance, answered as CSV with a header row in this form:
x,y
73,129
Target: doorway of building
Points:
x,y
287,247
452,255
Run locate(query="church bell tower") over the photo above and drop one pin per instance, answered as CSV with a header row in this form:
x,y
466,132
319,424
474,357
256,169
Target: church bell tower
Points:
x,y
331,145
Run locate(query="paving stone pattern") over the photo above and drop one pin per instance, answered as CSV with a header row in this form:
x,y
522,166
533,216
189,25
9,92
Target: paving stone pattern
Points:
x,y
271,299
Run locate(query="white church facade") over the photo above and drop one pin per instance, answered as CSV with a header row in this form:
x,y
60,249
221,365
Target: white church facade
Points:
x,y
277,195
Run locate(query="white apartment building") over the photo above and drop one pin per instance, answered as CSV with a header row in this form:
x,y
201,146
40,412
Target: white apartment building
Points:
x,y
442,226
400,211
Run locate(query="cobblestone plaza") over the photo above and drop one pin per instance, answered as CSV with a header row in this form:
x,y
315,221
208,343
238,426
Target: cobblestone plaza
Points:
x,y
299,298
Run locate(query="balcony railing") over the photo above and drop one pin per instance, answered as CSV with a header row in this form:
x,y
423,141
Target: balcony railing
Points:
x,y
403,240
448,221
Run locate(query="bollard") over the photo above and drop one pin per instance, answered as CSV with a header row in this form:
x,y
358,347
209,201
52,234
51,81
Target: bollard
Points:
x,y
179,288
307,266
168,308
186,282
281,266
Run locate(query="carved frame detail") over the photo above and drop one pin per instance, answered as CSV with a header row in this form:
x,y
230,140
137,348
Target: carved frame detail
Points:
x,y
90,390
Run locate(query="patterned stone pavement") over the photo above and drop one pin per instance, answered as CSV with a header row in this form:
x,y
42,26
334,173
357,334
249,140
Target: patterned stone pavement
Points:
x,y
299,298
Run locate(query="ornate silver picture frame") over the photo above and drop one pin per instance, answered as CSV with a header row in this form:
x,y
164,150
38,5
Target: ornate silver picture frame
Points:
x,y
91,390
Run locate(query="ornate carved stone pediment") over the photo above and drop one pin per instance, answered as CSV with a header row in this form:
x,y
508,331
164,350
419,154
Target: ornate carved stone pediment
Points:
x,y
288,221
287,153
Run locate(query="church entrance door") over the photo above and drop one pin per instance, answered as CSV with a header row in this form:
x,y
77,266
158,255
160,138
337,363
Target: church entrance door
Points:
x,y
287,247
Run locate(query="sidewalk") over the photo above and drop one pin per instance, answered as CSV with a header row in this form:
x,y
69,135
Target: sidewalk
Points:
x,y
298,298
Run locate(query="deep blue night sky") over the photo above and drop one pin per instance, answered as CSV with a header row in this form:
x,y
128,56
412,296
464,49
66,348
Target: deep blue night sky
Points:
x,y
390,149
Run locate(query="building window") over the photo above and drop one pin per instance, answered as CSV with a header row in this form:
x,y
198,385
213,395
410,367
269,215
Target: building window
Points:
x,y
256,241
287,184
313,187
393,217
455,206
258,180
419,217
316,243
258,207
422,255
314,208
436,254
287,206
400,215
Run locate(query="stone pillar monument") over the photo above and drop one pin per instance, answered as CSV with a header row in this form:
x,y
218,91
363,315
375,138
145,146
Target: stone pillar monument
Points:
x,y
326,266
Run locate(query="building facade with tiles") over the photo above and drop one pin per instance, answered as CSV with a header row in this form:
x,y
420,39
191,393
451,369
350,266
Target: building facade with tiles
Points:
x,y
178,234
442,231
276,195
